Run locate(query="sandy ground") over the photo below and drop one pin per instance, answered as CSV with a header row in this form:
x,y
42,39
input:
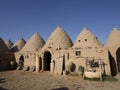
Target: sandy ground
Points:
x,y
21,80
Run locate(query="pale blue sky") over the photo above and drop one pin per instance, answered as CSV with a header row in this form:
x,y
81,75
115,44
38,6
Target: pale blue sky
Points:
x,y
23,18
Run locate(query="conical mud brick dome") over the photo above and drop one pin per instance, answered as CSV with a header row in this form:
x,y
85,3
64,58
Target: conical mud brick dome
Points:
x,y
34,43
18,45
87,39
9,43
3,47
59,38
114,38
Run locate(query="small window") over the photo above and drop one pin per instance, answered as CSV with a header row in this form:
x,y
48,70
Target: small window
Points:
x,y
58,47
79,40
78,53
85,39
49,46
27,56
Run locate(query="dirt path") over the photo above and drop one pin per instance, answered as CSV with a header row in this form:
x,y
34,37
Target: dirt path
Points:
x,y
20,80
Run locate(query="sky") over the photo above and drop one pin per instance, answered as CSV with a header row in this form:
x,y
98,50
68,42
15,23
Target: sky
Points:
x,y
23,18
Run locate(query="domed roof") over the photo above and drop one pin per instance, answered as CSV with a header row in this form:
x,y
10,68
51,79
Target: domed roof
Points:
x,y
87,39
114,38
3,47
9,43
18,45
34,43
59,38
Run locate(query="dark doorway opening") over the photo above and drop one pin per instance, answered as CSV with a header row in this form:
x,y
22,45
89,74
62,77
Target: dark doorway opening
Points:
x,y
21,62
113,66
118,58
47,60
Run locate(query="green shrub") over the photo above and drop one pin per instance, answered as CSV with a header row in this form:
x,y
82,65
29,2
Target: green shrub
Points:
x,y
109,78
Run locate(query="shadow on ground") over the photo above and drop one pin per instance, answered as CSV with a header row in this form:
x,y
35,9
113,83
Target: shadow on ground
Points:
x,y
2,80
62,88
3,88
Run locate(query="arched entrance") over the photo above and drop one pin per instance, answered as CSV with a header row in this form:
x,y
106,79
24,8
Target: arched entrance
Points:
x,y
47,60
21,62
118,58
113,65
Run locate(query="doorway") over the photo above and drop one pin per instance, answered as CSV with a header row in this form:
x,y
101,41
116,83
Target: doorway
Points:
x,y
21,62
118,58
47,60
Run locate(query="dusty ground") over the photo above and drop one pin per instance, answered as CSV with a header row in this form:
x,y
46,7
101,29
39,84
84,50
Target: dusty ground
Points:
x,y
20,80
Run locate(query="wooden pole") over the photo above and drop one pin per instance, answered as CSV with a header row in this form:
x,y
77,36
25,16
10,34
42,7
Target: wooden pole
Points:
x,y
100,69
